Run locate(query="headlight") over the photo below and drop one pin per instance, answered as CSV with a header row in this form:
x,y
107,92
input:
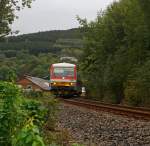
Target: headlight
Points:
x,y
54,83
72,84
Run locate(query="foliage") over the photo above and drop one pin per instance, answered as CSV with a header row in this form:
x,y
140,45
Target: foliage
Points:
x,y
52,106
52,111
19,118
7,74
35,110
59,138
7,13
145,5
48,105
44,111
137,87
9,106
29,135
33,53
33,94
116,46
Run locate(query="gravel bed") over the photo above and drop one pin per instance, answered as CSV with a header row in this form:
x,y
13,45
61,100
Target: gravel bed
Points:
x,y
103,129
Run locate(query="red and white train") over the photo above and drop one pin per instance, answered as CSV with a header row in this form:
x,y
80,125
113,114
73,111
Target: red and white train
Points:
x,y
63,79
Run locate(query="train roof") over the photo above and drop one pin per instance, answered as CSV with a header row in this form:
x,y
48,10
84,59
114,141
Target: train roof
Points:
x,y
63,65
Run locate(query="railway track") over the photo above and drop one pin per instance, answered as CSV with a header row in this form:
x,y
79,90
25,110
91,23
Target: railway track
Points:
x,y
134,112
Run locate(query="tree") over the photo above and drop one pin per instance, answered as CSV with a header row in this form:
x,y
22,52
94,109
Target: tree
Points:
x,y
137,86
7,74
145,5
7,13
115,43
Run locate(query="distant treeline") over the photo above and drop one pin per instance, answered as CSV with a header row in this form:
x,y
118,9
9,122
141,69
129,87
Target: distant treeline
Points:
x,y
50,36
33,53
41,42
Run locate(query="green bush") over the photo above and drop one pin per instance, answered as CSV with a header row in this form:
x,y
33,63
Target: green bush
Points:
x,y
51,120
36,110
14,116
132,94
21,118
50,105
137,88
29,135
45,111
10,117
33,94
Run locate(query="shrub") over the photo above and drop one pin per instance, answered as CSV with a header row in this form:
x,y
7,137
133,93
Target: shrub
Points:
x,y
14,116
132,93
29,135
51,106
33,94
45,111
21,119
10,118
36,110
137,91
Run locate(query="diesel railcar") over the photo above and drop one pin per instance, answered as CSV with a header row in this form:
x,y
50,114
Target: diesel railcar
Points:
x,y
63,79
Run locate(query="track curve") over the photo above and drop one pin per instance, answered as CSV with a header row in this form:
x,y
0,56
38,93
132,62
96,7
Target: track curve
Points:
x,y
134,112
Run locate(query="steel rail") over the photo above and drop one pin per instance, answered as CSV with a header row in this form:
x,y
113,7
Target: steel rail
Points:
x,y
134,112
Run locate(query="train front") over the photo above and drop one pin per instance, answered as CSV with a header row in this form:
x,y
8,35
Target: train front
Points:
x,y
63,79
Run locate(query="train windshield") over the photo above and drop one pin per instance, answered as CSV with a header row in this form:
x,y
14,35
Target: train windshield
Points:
x,y
64,72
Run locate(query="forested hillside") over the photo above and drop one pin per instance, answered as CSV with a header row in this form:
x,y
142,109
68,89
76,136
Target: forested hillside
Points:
x,y
33,53
116,63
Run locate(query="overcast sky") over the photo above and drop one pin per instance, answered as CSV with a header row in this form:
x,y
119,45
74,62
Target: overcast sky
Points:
x,y
57,14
